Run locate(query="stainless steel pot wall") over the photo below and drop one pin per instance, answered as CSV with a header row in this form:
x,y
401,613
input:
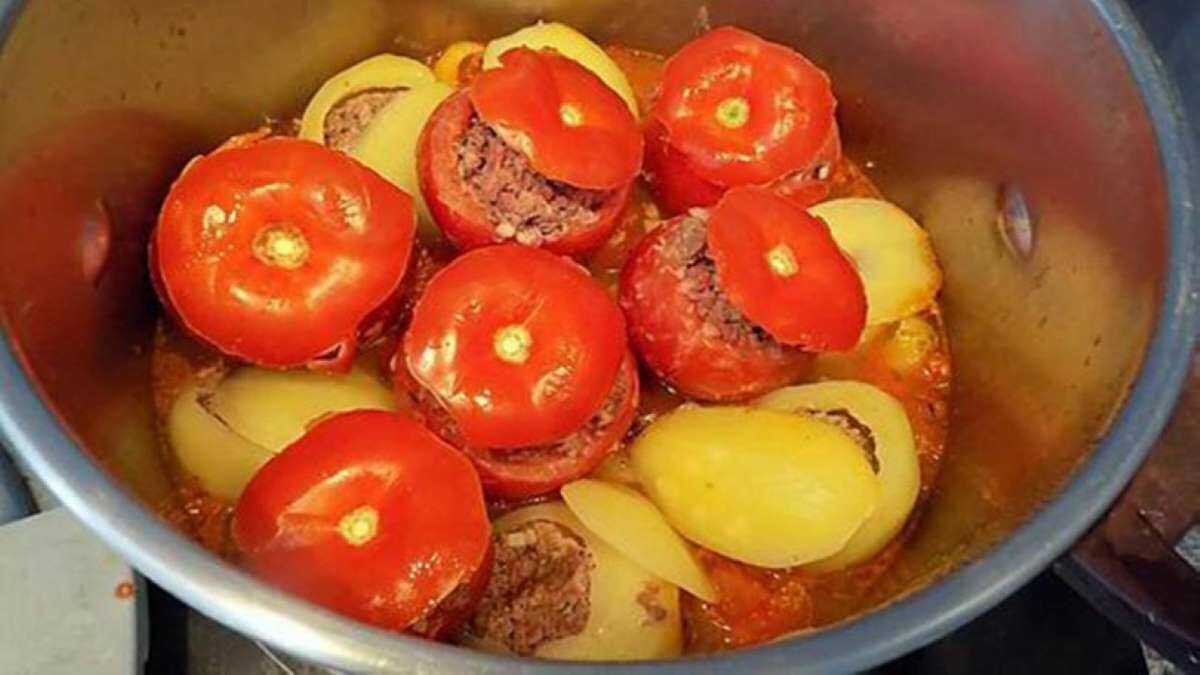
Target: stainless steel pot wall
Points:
x,y
1069,339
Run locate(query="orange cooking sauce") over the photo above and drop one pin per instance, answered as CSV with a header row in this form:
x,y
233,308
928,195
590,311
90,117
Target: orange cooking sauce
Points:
x,y
757,604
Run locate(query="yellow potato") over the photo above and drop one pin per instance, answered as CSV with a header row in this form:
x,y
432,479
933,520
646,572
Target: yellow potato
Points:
x,y
617,628
909,344
377,72
617,469
274,408
892,252
895,451
764,487
218,457
447,66
571,44
389,143
630,523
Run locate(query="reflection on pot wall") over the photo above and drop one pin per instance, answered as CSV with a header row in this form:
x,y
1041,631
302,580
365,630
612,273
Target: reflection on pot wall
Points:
x,y
947,102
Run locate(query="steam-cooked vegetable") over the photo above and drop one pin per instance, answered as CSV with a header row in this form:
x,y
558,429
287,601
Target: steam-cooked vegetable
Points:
x,y
629,612
760,486
878,423
274,408
448,67
218,457
909,344
892,252
382,74
630,523
223,435
389,143
571,44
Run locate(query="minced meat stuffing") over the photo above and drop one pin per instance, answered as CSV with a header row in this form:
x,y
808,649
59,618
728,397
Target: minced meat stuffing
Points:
x,y
539,588
521,204
685,252
349,117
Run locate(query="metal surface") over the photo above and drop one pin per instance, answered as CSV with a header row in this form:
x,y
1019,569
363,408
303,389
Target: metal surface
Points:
x,y
101,102
1141,564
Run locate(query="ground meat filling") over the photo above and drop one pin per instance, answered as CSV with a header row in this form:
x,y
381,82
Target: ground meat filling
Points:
x,y
349,117
539,589
685,253
521,204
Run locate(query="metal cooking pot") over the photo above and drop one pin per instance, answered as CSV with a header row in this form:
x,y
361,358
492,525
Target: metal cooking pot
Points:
x,y
1038,141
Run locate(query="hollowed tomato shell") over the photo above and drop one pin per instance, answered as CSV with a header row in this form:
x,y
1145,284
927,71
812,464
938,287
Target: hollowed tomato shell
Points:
x,y
819,304
422,528
460,215
745,111
574,338
357,230
668,335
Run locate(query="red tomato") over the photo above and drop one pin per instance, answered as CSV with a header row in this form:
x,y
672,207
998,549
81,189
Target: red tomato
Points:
x,y
756,605
675,341
576,129
738,110
460,213
519,345
457,607
529,472
368,514
781,267
282,252
676,187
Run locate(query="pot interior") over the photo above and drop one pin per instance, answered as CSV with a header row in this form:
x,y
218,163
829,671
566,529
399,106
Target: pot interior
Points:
x,y
962,112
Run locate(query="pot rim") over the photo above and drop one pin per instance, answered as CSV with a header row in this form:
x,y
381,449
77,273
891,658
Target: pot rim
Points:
x,y
233,597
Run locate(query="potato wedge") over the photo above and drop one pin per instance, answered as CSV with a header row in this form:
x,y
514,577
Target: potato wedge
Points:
x,y
223,435
889,438
764,487
389,143
273,408
219,458
619,627
893,254
384,71
629,522
571,44
448,67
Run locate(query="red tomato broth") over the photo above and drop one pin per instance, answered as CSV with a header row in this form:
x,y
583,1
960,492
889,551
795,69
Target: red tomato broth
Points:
x,y
762,604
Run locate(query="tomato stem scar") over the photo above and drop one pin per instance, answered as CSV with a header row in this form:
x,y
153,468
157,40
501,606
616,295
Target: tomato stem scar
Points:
x,y
359,526
782,261
281,246
513,343
571,115
733,112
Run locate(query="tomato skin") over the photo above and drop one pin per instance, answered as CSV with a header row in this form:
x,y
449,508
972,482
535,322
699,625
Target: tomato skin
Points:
x,y
668,336
430,532
819,304
569,332
677,188
784,119
456,608
579,130
691,160
535,471
356,232
460,215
